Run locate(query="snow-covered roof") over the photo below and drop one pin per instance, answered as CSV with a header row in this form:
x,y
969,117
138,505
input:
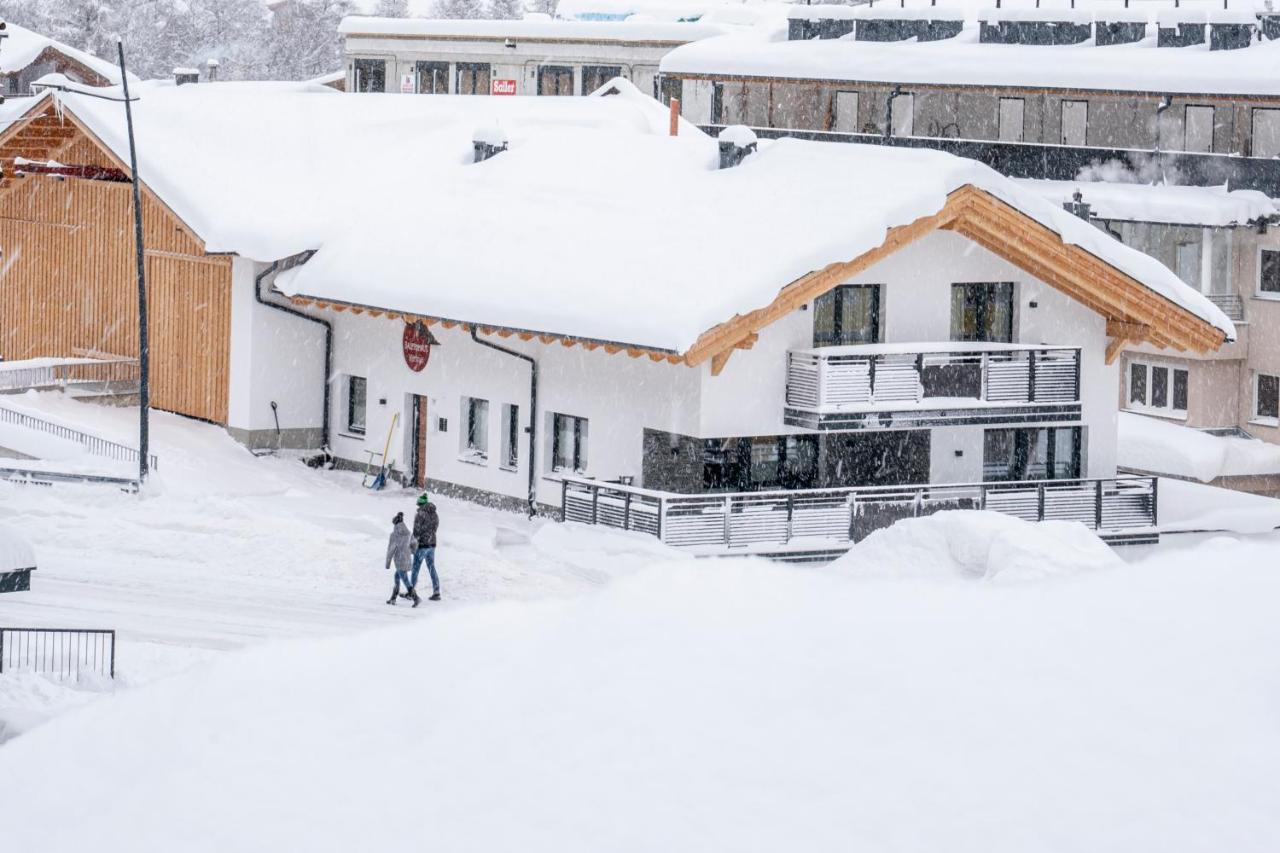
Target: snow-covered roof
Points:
x,y
622,31
1158,446
552,235
724,11
1172,205
21,47
764,51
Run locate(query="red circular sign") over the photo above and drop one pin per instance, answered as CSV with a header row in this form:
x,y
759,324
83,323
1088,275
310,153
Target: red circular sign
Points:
x,y
417,346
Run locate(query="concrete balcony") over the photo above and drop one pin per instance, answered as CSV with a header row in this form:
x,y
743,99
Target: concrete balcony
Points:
x,y
921,385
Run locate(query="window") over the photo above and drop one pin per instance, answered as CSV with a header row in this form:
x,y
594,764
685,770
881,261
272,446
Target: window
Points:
x,y
473,78
510,436
903,109
357,391
1266,133
595,76
845,119
982,311
369,75
1266,397
1011,110
555,80
1269,271
433,78
668,89
1075,122
1187,263
848,314
1199,130
1010,455
1158,388
475,414
568,443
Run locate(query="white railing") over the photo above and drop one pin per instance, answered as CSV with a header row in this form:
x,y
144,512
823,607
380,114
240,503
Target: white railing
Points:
x,y
870,376
57,373
1119,505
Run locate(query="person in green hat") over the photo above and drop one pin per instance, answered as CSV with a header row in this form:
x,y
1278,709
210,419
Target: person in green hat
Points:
x,y
425,524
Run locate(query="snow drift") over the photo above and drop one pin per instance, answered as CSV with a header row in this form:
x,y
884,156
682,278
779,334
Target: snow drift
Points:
x,y
971,544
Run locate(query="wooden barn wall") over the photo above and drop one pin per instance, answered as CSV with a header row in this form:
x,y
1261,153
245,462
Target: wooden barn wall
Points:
x,y
67,280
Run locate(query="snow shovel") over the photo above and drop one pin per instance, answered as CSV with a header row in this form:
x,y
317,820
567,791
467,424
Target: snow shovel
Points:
x,y
380,481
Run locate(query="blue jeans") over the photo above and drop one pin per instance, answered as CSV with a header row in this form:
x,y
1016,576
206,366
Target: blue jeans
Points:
x,y
402,576
428,554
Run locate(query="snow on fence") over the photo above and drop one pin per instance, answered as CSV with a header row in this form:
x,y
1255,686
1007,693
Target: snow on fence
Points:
x,y
60,652
94,444
1120,508
1230,303
61,372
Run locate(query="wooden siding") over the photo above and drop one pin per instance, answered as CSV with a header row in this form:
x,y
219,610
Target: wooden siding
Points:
x,y
67,281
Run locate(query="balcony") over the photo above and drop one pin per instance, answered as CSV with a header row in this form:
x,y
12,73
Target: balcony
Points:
x,y
1230,303
922,385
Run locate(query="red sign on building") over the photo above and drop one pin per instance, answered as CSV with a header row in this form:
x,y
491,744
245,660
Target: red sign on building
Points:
x,y
417,346
502,86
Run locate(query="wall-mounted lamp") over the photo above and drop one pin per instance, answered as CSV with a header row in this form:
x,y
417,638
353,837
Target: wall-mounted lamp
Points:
x,y
959,453
1035,304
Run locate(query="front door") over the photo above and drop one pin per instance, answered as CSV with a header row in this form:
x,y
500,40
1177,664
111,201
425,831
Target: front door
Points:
x,y
419,446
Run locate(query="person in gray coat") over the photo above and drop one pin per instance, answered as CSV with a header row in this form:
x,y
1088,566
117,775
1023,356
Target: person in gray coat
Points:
x,y
400,551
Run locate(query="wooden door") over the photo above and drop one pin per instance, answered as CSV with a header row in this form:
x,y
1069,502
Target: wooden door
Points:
x,y
419,441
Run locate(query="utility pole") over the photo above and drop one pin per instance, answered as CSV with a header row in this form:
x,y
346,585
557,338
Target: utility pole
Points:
x,y
144,344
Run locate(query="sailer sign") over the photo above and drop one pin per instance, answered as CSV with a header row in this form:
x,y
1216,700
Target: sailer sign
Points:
x,y
502,86
417,346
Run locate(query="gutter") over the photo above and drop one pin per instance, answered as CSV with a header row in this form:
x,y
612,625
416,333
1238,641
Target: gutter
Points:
x,y
328,335
533,413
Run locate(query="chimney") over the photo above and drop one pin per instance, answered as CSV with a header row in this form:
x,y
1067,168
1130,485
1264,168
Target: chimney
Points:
x,y
488,141
183,76
736,142
1078,206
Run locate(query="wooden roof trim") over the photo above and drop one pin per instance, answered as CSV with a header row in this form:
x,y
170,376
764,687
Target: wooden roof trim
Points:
x,y
611,347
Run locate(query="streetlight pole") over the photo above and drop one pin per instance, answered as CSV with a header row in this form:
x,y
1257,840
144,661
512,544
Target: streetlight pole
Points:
x,y
144,344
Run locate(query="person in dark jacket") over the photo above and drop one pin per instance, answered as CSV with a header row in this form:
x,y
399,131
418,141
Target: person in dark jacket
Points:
x,y
425,524
400,551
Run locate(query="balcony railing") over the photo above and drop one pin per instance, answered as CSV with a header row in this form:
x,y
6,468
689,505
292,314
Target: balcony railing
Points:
x,y
1230,303
1119,509
930,384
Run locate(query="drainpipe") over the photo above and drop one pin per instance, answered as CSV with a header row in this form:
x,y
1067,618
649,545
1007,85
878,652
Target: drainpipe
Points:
x,y
533,413
1165,103
888,111
328,337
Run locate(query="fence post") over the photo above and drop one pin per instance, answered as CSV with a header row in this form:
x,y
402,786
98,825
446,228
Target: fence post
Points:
x,y
728,510
661,507
1031,376
113,654
595,504
626,512
1155,495
1,650
1097,523
564,500
1040,502
791,501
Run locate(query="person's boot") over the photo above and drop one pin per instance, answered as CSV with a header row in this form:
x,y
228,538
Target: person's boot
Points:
x,y
435,596
416,600
394,596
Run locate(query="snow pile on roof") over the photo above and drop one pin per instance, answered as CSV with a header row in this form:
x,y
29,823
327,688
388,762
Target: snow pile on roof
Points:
x,y
974,544
22,46
571,205
732,706
628,30
1175,205
1190,506
764,51
704,11
1160,447
15,551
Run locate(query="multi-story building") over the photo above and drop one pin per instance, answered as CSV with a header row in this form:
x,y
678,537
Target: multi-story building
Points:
x,y
26,56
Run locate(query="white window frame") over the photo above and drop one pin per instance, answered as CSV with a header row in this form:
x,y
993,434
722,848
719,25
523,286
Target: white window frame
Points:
x,y
1258,292
1146,407
509,458
474,439
581,442
904,105
348,426
1272,114
1258,417
1196,277
1016,134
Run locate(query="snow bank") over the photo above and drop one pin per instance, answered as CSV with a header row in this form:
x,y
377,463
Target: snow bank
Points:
x,y
1195,507
1160,447
15,551
970,544
1177,205
724,706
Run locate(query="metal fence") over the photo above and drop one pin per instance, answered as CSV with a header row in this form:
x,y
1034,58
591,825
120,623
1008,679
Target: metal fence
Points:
x,y
60,652
1230,303
72,371
1117,506
94,444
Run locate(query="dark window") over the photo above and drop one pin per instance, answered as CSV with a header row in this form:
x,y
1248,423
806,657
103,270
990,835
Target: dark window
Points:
x,y
473,78
370,75
1159,387
595,76
356,394
849,314
478,427
1269,281
511,435
568,443
1138,384
433,78
1180,390
1010,455
1268,396
668,88
982,311
555,80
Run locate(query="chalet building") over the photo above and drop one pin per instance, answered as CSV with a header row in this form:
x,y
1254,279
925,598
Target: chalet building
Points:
x,y
600,318
527,57
26,56
1033,92
1224,244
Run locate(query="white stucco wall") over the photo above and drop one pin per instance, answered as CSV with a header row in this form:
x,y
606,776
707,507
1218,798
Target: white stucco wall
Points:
x,y
274,356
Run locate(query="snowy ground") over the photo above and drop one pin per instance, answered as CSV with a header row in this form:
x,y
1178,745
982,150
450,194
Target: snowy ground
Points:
x,y
584,690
